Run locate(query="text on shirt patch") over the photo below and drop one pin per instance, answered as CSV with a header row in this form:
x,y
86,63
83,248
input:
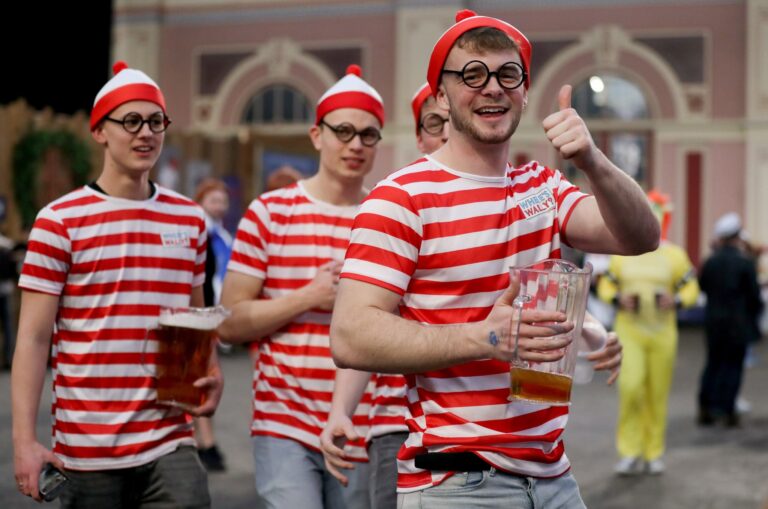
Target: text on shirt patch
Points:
x,y
175,239
537,204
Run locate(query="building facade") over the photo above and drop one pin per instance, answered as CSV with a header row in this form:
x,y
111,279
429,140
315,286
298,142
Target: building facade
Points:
x,y
675,91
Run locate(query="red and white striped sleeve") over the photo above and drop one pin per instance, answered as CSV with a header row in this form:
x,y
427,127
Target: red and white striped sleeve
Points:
x,y
567,196
49,255
386,238
249,251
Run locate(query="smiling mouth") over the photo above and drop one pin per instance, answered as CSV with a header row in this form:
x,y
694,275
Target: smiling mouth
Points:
x,y
491,111
144,149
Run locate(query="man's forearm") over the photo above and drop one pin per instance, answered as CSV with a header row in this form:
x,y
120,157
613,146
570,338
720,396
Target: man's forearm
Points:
x,y
254,319
624,208
348,390
30,364
370,339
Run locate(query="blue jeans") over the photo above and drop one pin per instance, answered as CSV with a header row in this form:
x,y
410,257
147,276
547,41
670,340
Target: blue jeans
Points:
x,y
291,476
492,489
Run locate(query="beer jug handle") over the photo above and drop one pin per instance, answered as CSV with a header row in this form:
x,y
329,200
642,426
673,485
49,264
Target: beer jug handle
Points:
x,y
517,314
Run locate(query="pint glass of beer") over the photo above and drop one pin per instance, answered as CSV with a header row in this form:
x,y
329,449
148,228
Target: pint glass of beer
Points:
x,y
184,338
550,285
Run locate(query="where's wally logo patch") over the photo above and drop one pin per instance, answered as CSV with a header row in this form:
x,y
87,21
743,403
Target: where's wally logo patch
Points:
x,y
539,203
176,239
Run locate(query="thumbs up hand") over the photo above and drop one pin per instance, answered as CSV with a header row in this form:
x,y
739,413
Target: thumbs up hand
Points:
x,y
568,133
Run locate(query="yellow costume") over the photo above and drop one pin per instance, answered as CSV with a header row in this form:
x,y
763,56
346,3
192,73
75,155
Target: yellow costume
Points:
x,y
649,337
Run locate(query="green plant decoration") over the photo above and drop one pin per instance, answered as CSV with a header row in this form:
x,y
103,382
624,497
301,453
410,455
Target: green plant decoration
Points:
x,y
27,158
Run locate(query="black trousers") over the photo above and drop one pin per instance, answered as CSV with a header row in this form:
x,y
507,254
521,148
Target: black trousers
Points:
x,y
721,379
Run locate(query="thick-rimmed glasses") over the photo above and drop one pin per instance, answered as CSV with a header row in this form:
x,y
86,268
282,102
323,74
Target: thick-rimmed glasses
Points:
x,y
133,122
345,131
432,123
476,74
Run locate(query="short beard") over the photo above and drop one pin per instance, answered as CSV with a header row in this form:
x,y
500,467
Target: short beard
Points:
x,y
464,125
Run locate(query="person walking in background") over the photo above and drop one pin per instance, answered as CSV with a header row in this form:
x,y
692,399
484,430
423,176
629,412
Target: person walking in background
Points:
x,y
729,279
213,196
647,290
281,286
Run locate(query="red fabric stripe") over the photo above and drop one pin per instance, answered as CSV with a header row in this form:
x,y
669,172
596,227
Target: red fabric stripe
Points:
x,y
127,286
103,382
121,428
49,251
87,199
117,450
102,335
42,273
114,310
391,227
116,239
127,262
106,406
311,219
131,215
381,257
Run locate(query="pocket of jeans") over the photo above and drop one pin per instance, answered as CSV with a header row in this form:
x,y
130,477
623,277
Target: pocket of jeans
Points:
x,y
459,482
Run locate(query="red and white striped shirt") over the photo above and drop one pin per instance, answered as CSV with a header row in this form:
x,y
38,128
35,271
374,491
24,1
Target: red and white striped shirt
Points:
x,y
389,407
445,240
284,236
113,262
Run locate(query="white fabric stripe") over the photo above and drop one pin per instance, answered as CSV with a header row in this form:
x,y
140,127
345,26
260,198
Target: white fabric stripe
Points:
x,y
375,271
91,417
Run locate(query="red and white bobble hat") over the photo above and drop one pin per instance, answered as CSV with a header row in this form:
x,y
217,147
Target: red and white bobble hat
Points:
x,y
126,85
467,20
351,91
419,98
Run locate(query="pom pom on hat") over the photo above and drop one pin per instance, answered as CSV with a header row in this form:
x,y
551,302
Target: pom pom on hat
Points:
x,y
419,98
351,91
126,85
467,20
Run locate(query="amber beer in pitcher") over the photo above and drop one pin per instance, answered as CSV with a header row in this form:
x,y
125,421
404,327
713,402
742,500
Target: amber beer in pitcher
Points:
x,y
554,286
185,339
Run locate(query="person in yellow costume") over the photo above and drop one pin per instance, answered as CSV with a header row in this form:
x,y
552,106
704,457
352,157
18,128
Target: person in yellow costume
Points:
x,y
647,290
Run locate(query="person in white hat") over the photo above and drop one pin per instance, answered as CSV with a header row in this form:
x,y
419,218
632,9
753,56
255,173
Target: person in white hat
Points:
x,y
281,285
98,269
729,278
426,291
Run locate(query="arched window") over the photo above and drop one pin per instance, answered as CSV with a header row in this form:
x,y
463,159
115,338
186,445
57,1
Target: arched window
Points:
x,y
611,104
277,104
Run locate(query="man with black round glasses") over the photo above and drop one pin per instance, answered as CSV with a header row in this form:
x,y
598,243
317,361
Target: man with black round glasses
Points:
x,y
102,260
281,285
426,288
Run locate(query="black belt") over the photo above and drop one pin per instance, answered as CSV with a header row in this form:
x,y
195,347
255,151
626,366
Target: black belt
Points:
x,y
452,462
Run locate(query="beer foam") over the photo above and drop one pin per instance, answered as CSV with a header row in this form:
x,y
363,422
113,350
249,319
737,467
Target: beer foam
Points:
x,y
191,321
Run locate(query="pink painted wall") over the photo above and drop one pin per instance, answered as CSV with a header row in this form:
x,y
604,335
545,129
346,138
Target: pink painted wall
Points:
x,y
724,21
180,42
